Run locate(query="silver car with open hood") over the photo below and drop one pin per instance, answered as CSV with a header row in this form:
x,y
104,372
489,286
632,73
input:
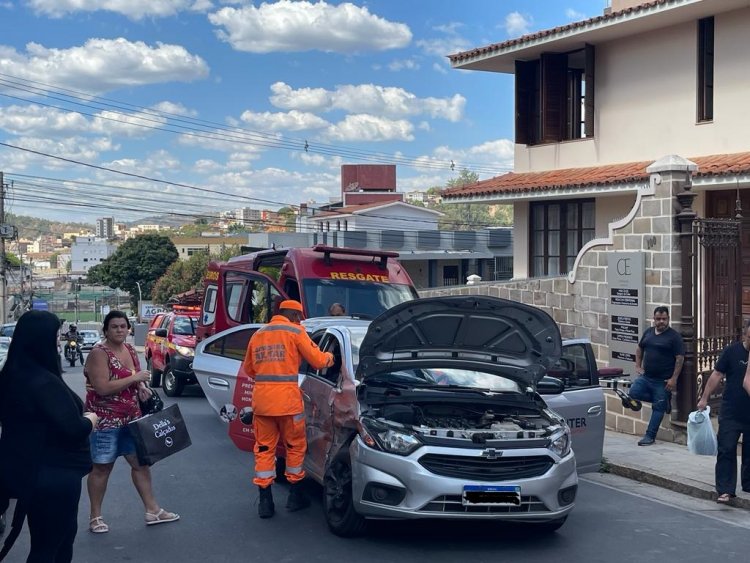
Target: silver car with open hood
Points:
x,y
433,410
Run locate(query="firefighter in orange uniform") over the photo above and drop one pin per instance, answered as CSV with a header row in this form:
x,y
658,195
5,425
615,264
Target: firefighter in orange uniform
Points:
x,y
273,360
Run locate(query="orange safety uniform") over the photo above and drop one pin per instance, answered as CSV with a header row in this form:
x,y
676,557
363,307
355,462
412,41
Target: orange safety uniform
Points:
x,y
273,360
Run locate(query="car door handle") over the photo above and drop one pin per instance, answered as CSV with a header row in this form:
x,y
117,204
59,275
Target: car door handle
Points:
x,y
306,397
595,411
216,382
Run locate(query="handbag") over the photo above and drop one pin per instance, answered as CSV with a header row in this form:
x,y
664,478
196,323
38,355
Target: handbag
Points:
x,y
159,435
151,405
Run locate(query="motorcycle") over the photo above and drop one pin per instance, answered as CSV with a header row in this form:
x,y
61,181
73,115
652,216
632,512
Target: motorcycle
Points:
x,y
73,351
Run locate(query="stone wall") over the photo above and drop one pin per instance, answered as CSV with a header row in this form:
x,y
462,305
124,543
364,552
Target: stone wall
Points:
x,y
581,307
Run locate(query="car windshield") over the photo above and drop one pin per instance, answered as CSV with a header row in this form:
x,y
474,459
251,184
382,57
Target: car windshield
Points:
x,y
184,326
360,298
445,377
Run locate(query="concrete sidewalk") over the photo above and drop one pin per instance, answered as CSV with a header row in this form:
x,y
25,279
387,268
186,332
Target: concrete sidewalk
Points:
x,y
666,465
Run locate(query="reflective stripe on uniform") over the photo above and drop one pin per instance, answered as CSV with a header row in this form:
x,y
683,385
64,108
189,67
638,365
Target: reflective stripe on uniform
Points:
x,y
276,378
298,417
294,470
270,328
265,474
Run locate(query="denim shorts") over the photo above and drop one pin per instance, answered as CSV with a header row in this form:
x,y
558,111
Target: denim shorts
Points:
x,y
107,445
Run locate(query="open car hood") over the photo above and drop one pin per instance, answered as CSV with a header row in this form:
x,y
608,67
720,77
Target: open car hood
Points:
x,y
486,334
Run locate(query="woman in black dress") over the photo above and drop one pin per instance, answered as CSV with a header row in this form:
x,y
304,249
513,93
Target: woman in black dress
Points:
x,y
44,446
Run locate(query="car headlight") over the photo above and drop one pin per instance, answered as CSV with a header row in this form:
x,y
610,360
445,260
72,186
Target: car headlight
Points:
x,y
387,438
561,444
185,351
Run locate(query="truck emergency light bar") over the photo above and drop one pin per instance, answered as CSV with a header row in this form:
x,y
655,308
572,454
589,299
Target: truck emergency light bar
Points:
x,y
328,250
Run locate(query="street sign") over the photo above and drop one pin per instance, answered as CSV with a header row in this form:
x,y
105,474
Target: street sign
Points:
x,y
7,231
149,310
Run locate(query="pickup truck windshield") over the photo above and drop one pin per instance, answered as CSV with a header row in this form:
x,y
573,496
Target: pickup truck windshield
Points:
x,y
361,298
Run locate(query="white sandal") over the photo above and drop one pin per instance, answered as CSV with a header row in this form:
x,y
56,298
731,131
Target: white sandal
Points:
x,y
161,517
98,526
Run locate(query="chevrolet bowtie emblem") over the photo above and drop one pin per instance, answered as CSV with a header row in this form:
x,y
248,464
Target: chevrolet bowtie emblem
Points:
x,y
491,453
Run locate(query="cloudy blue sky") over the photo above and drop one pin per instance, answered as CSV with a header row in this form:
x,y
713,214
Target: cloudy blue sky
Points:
x,y
255,104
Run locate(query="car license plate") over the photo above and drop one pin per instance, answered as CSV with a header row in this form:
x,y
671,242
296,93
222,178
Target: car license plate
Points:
x,y
489,495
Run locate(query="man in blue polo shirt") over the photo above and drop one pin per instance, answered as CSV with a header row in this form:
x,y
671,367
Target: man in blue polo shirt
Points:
x,y
658,360
734,417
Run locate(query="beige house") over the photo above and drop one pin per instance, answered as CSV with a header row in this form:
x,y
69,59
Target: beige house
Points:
x,y
599,104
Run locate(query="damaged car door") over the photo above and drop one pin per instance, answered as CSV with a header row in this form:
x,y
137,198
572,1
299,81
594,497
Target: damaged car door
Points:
x,y
330,404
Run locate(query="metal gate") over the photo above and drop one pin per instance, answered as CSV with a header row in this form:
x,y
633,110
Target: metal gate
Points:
x,y
717,293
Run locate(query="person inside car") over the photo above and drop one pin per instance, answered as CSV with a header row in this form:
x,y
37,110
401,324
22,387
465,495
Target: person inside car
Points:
x,y
336,310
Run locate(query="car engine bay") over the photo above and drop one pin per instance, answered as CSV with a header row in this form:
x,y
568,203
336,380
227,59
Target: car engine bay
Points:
x,y
474,423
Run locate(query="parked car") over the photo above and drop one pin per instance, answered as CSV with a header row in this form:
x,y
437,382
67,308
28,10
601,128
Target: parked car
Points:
x,y
7,329
431,411
4,345
90,338
169,350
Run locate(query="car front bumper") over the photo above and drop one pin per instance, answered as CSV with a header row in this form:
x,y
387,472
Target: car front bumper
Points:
x,y
182,367
430,495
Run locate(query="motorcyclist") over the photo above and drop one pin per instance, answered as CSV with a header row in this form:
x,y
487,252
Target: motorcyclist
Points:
x,y
71,335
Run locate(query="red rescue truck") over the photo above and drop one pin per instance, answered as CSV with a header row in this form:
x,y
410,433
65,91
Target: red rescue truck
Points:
x,y
249,288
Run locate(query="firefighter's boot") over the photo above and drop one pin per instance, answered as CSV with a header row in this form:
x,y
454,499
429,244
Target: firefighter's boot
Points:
x,y
297,498
265,505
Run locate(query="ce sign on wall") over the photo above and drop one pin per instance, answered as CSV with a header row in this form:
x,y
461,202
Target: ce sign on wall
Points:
x,y
627,299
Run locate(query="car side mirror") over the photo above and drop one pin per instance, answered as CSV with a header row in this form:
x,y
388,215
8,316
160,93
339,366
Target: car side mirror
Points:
x,y
550,386
161,332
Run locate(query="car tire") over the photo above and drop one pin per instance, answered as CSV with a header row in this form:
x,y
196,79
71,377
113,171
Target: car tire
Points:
x,y
155,375
549,527
338,501
172,386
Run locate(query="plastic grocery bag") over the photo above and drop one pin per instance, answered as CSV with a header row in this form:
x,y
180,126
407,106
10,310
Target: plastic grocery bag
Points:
x,y
701,437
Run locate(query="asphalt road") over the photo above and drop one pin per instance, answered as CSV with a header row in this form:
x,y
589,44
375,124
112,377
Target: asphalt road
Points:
x,y
209,484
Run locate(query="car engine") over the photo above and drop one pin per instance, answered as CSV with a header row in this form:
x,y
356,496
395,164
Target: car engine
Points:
x,y
469,423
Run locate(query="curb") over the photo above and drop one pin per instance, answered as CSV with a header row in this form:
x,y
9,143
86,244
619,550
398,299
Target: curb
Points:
x,y
686,486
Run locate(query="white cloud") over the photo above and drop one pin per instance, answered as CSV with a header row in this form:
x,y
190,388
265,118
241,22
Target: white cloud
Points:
x,y
74,148
403,64
322,161
289,121
363,127
496,155
367,98
133,9
574,15
517,24
234,141
206,166
101,65
437,67
174,108
287,26
6,5
37,120
40,121
155,164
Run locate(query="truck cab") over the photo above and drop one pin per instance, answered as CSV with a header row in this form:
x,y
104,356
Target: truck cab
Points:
x,y
249,288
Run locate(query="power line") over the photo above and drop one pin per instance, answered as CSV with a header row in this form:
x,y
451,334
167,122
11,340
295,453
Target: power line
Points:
x,y
238,134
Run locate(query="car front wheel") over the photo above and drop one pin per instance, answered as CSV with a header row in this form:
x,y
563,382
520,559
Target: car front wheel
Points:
x,y
172,386
155,375
338,500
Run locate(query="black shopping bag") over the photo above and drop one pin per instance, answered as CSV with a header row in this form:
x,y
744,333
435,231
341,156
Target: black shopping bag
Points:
x,y
159,435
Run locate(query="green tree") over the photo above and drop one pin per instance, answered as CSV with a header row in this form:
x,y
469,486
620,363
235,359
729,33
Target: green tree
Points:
x,y
470,216
12,260
287,217
143,259
184,275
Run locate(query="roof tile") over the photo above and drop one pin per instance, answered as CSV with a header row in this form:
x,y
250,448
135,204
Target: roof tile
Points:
x,y
529,182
